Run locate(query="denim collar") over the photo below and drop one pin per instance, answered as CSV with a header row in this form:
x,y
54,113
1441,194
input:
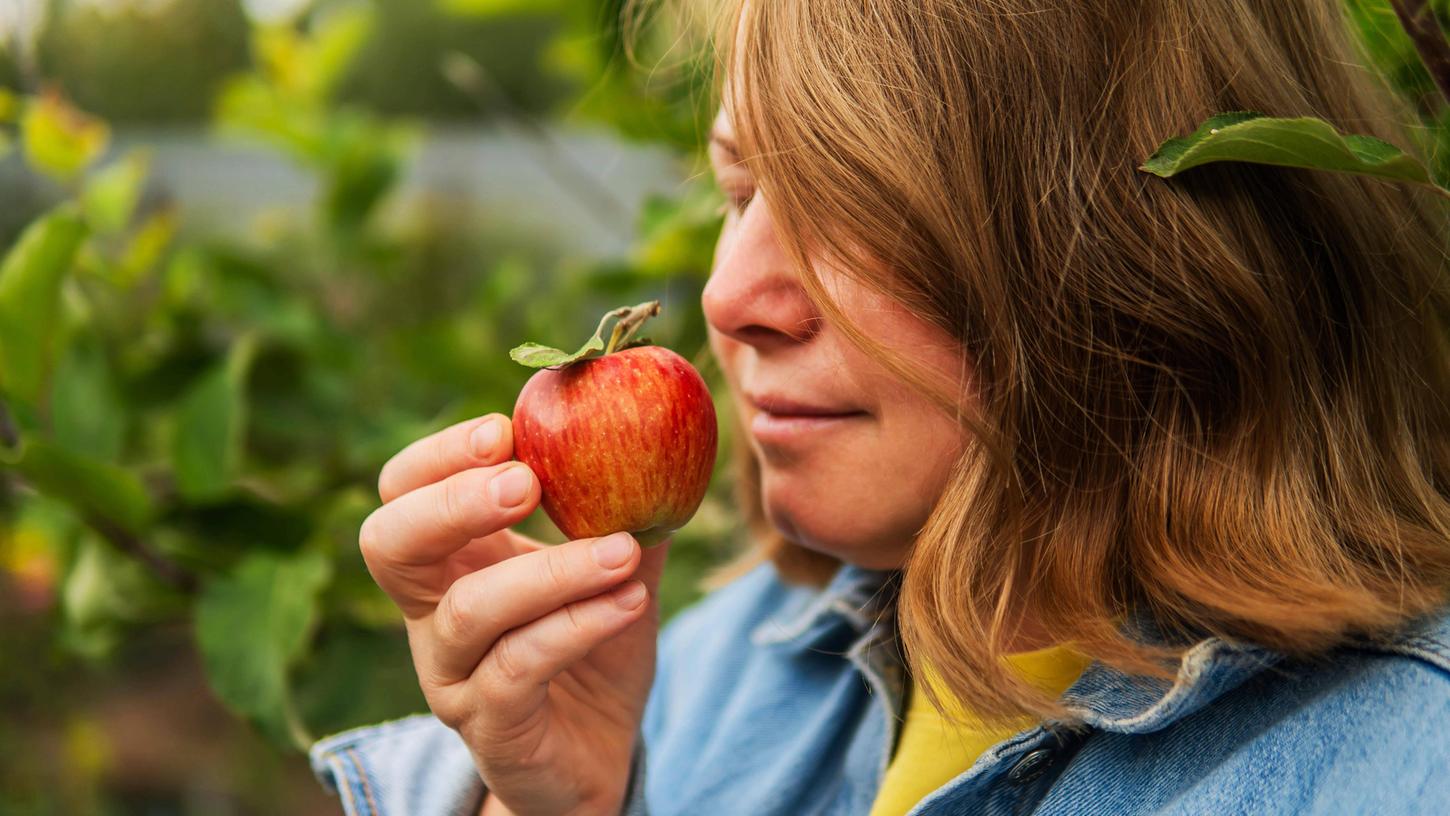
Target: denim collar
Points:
x,y
856,598
860,600
1211,667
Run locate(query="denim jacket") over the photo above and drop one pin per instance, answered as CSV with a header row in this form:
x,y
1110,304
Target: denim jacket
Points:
x,y
772,698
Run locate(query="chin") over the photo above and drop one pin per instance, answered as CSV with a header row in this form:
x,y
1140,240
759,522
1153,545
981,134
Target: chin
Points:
x,y
819,524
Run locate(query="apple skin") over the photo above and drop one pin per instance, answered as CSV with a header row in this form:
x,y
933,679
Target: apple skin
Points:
x,y
620,442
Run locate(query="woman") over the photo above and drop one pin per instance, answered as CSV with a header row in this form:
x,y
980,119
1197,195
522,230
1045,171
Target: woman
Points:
x,y
1075,490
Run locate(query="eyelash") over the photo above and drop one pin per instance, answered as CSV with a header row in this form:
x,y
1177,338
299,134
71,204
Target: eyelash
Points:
x,y
737,202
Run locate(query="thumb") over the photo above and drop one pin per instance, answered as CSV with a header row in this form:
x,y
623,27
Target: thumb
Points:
x,y
652,564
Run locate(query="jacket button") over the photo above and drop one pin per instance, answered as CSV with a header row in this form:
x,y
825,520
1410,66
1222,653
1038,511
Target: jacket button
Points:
x,y
1030,766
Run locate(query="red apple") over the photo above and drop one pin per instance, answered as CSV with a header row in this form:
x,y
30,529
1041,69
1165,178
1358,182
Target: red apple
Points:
x,y
619,441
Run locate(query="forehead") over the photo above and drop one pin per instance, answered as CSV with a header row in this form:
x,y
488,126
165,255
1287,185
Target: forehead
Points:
x,y
722,124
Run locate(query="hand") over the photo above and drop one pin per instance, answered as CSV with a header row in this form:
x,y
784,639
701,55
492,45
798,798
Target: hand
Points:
x,y
541,657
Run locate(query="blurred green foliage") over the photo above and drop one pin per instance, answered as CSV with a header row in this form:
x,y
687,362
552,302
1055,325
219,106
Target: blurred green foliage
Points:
x,y
1386,47
152,62
191,426
162,62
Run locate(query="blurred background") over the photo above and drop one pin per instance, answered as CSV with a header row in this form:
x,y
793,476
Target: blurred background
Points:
x,y
252,248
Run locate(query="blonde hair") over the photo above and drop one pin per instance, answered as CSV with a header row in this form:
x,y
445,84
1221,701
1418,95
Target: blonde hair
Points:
x,y
1218,400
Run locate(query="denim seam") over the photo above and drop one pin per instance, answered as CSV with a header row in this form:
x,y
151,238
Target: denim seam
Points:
x,y
1413,647
336,742
363,781
338,753
343,783
1197,664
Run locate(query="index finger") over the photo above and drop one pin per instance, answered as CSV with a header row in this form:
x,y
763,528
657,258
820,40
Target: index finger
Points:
x,y
473,443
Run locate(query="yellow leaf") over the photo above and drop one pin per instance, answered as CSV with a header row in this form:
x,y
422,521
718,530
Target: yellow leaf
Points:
x,y
61,140
281,54
147,246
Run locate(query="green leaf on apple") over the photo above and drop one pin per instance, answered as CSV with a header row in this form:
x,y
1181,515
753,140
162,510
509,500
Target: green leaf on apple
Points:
x,y
627,319
534,355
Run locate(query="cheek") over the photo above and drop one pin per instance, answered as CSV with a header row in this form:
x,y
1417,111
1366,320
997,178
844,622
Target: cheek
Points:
x,y
727,354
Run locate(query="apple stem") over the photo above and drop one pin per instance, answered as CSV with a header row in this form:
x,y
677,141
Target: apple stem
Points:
x,y
614,337
630,319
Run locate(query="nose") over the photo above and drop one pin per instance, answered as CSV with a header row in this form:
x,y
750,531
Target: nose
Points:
x,y
753,294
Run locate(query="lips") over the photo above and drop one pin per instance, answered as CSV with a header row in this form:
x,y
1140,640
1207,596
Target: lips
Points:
x,y
782,406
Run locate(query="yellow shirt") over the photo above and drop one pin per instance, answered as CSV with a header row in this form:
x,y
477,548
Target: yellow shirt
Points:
x,y
932,751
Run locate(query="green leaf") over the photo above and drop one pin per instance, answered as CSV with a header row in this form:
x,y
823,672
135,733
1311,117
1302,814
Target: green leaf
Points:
x,y
374,666
1305,142
146,247
86,412
629,318
95,489
251,627
104,590
337,36
534,355
61,140
363,167
30,280
110,196
207,449
1382,43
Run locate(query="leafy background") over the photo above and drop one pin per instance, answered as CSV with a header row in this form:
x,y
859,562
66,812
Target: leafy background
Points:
x,y
197,392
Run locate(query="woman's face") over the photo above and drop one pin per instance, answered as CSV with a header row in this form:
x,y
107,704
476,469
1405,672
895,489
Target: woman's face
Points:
x,y
852,459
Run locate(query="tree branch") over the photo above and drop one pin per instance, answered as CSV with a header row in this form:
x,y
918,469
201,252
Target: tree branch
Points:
x,y
120,538
1419,21
167,570
9,434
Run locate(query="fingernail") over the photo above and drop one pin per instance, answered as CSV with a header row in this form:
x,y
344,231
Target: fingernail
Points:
x,y
485,438
629,595
511,487
612,551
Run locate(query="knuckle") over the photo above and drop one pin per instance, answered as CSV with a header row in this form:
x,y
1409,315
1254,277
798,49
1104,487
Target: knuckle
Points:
x,y
453,709
555,571
384,484
369,541
437,455
453,506
388,480
396,473
577,619
508,665
452,621
450,716
487,691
